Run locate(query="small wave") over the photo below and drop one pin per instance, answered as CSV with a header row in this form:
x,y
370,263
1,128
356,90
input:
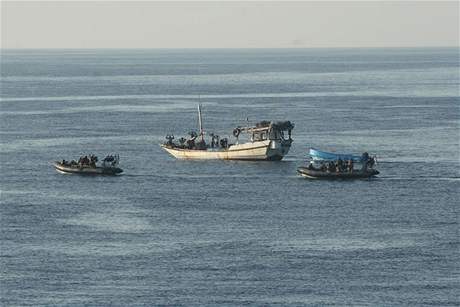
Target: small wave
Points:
x,y
225,96
420,178
27,144
140,175
217,175
106,248
341,244
157,108
122,222
437,74
164,96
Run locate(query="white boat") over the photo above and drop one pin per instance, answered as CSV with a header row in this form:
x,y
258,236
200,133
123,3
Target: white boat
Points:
x,y
266,141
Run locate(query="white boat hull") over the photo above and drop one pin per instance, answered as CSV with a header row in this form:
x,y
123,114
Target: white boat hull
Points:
x,y
261,150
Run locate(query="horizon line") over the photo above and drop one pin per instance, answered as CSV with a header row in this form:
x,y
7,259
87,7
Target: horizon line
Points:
x,y
217,48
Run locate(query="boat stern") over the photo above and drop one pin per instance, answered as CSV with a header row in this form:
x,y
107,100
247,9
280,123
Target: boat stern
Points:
x,y
278,149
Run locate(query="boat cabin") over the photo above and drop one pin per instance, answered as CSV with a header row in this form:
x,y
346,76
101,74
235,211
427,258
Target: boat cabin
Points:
x,y
266,130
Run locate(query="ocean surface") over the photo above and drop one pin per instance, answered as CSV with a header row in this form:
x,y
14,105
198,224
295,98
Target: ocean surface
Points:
x,y
187,233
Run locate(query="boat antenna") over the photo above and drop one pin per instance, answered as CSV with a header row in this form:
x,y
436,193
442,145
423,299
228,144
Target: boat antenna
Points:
x,y
200,122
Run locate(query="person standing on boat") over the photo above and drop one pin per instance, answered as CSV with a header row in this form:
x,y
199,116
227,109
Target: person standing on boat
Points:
x,y
350,165
339,165
371,162
365,161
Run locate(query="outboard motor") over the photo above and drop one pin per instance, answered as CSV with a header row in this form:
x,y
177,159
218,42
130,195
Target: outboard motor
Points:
x,y
110,161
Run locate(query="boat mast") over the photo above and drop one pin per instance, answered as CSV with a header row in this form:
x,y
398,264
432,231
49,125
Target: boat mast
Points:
x,y
200,122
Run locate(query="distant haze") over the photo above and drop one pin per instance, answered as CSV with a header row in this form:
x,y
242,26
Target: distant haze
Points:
x,y
228,24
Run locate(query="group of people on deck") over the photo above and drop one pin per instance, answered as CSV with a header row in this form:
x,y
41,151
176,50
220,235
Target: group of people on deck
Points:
x,y
343,166
85,161
197,143
91,160
88,161
339,166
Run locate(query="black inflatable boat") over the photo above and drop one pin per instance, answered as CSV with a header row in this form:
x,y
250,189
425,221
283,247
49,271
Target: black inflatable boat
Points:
x,y
319,174
86,170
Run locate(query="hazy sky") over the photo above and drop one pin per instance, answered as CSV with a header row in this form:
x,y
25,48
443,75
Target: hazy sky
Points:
x,y
190,24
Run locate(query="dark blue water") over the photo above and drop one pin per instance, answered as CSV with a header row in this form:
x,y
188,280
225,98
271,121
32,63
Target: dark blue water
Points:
x,y
171,232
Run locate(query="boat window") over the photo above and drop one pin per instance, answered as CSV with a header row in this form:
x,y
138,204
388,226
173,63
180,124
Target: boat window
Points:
x,y
259,136
275,134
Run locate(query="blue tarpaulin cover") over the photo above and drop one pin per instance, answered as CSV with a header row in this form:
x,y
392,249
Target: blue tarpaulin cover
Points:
x,y
330,156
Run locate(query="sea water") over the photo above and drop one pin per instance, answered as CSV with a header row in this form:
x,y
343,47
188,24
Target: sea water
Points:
x,y
171,232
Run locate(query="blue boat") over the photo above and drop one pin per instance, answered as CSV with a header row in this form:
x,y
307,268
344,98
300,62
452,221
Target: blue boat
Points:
x,y
330,156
